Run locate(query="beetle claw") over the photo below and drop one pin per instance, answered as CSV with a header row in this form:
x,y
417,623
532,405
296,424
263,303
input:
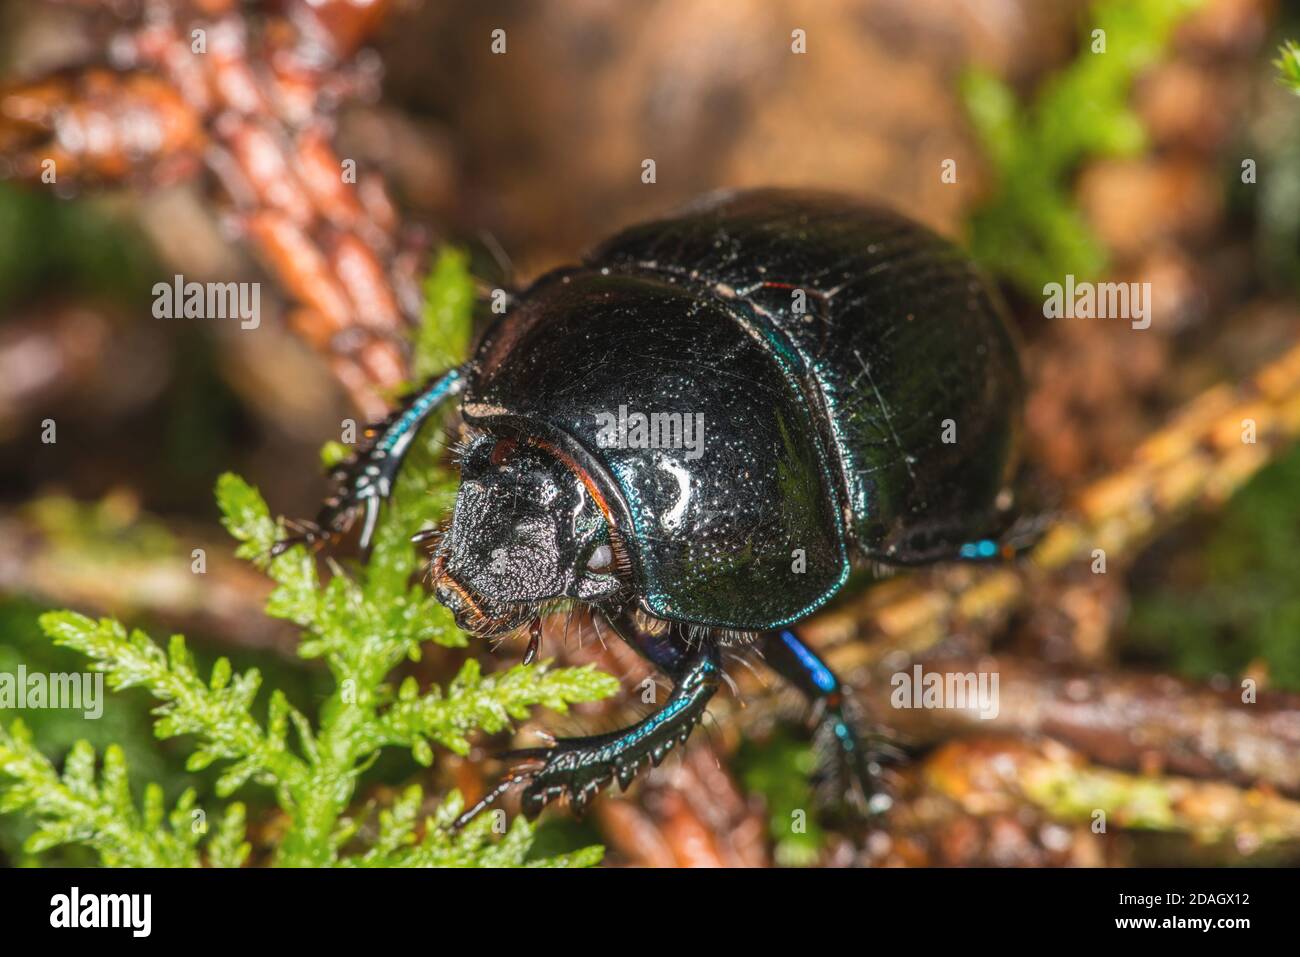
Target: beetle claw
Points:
x,y
533,764
355,491
302,532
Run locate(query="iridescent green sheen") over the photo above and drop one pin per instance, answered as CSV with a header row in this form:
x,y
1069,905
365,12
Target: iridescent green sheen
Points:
x,y
859,388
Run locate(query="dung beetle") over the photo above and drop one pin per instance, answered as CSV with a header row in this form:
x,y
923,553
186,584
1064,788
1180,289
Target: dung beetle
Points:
x,y
698,433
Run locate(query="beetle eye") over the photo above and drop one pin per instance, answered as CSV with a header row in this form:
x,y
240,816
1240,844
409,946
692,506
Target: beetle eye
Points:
x,y
601,561
501,451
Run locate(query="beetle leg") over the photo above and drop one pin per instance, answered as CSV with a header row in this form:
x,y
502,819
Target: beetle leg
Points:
x,y
367,478
1025,532
924,544
578,768
851,759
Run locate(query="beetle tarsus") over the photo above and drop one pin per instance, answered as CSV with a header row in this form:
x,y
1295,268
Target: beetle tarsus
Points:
x,y
851,756
365,480
578,768
483,803
330,525
852,761
926,543
1026,532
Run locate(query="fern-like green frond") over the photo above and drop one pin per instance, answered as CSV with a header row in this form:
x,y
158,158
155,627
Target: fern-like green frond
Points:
x,y
476,845
475,702
217,712
444,336
78,807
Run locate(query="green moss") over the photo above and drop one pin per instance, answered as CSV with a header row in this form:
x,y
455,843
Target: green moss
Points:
x,y
1238,603
780,770
1288,65
1030,229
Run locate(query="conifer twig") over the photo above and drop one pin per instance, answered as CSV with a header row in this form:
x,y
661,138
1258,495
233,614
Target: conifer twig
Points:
x,y
205,84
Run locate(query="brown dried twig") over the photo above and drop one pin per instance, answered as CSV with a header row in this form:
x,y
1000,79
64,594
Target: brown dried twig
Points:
x,y
1073,808
1149,723
203,84
226,599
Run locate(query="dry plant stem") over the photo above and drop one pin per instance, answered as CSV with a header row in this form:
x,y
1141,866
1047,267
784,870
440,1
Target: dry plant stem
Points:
x,y
989,775
997,801
1148,723
673,824
228,600
704,816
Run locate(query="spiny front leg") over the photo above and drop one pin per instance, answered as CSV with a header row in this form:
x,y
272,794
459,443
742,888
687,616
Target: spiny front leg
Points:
x,y
577,768
851,756
366,479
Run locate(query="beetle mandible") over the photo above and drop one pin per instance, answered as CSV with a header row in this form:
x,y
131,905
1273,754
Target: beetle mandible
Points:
x,y
699,432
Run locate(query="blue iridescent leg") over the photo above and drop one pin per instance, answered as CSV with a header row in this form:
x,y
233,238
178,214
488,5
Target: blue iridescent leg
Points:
x,y
851,758
577,768
925,544
366,479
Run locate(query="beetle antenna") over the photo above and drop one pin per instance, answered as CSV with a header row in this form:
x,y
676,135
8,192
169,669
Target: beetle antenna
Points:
x,y
500,256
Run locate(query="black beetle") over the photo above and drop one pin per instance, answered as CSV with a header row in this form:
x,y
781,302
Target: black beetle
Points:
x,y
698,432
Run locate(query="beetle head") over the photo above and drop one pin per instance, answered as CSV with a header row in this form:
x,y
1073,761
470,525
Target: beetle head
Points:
x,y
525,531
